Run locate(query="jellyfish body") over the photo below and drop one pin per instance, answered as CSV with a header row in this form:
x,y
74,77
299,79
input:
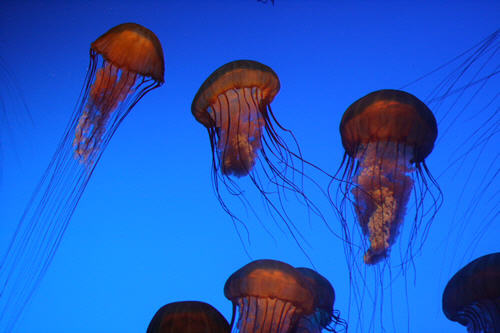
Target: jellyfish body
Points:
x,y
324,313
232,103
188,317
125,63
269,296
472,296
386,135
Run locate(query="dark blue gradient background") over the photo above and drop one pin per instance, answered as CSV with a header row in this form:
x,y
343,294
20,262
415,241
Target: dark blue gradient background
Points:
x,y
149,229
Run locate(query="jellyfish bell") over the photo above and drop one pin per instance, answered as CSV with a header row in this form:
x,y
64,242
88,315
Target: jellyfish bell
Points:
x,y
386,135
472,296
269,295
389,116
188,317
125,64
324,313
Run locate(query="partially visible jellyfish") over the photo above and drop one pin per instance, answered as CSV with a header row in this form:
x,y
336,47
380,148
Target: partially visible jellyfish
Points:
x,y
268,296
234,104
265,1
188,317
324,316
472,296
125,64
386,135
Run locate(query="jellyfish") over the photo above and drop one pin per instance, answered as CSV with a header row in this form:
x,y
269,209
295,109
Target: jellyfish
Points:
x,y
125,64
386,135
270,296
472,296
324,313
234,104
188,317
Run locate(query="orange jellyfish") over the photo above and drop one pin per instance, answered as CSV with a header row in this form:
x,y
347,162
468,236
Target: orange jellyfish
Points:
x,y
188,317
386,135
234,104
125,64
472,296
324,315
269,296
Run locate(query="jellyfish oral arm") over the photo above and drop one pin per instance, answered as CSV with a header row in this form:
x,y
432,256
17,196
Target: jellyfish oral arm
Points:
x,y
381,195
240,125
111,87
